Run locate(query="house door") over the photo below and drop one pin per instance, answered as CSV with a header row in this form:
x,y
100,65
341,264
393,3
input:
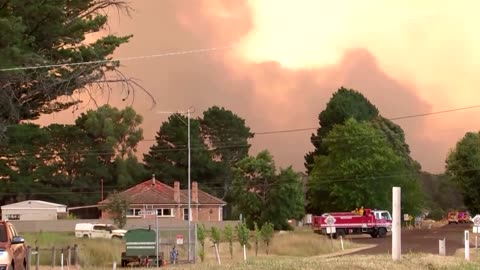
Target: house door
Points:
x,y
185,214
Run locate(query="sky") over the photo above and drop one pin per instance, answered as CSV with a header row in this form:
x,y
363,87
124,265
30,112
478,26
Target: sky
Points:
x,y
287,58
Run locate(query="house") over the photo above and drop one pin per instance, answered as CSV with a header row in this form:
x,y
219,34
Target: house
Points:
x,y
153,196
33,210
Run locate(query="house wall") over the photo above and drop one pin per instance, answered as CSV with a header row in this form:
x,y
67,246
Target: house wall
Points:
x,y
210,213
31,214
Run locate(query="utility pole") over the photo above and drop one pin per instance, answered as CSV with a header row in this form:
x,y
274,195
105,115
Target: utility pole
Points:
x,y
101,184
189,191
396,224
189,180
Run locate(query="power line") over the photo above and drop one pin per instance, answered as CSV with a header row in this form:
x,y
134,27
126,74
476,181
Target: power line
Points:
x,y
183,147
391,119
214,185
219,146
432,113
195,51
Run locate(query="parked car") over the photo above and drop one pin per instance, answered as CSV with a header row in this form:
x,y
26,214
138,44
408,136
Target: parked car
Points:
x,y
13,252
89,230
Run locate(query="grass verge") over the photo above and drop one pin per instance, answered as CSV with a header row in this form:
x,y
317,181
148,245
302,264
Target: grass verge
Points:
x,y
103,252
410,261
91,252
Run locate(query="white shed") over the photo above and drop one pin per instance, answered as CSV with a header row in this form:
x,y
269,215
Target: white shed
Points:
x,y
32,210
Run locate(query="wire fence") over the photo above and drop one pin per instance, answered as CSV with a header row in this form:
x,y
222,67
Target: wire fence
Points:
x,y
175,240
56,256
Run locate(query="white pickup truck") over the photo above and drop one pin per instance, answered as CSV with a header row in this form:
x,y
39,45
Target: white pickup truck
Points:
x,y
89,230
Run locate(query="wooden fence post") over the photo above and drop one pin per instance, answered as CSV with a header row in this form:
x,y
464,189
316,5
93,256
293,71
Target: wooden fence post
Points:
x,y
69,256
37,261
75,255
29,257
61,259
53,257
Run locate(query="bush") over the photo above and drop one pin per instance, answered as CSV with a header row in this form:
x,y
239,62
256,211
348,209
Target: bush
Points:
x,y
437,214
201,235
228,236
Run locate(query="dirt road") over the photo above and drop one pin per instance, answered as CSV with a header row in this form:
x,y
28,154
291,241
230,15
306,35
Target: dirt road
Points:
x,y
421,240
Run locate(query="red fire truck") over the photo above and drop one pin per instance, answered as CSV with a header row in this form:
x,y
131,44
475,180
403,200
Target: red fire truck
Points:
x,y
374,222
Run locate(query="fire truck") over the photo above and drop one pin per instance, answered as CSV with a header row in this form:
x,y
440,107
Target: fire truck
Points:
x,y
376,223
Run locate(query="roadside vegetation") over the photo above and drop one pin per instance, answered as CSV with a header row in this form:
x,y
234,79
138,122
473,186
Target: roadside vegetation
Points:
x,y
378,262
103,252
91,252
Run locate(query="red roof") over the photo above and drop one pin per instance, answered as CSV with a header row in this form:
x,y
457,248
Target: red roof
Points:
x,y
149,192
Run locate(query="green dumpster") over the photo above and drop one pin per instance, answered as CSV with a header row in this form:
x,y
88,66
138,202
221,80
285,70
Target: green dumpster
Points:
x,y
140,247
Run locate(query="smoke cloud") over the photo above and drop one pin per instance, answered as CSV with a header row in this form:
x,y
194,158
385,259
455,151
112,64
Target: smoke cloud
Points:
x,y
269,94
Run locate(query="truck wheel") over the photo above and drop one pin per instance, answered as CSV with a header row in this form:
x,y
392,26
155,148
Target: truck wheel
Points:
x,y
382,232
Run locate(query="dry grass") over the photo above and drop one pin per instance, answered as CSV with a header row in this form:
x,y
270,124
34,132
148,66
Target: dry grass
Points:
x,y
292,250
91,252
305,243
102,252
354,262
300,243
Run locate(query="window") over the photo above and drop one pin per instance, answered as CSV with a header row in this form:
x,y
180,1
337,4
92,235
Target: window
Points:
x,y
12,231
3,233
165,212
185,214
112,227
99,228
133,212
386,216
13,216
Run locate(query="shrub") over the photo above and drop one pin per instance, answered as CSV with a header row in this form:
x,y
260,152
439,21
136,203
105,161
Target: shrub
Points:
x,y
267,234
228,236
437,214
201,238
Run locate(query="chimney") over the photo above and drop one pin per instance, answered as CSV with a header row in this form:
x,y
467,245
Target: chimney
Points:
x,y
194,192
153,179
176,191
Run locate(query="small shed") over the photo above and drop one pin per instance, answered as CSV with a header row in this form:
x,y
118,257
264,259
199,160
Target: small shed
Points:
x,y
33,210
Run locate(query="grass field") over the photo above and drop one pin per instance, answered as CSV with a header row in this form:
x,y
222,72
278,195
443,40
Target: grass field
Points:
x,y
91,252
380,262
102,252
354,262
292,250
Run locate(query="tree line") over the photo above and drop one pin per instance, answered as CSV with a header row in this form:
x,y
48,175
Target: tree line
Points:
x,y
358,157
67,163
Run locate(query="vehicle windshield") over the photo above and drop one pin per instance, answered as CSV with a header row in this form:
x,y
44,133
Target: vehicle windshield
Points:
x,y
3,233
386,215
